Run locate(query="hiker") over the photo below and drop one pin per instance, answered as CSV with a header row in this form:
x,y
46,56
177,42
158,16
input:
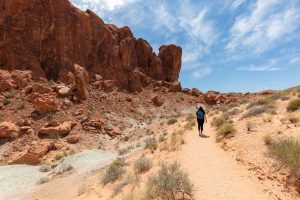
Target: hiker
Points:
x,y
201,117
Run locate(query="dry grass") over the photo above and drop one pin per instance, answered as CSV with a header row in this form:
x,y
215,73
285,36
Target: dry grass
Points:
x,y
225,130
114,172
168,183
293,105
142,165
256,111
287,151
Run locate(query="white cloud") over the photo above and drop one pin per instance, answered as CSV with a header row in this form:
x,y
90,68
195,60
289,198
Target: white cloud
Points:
x,y
97,5
269,22
198,74
266,68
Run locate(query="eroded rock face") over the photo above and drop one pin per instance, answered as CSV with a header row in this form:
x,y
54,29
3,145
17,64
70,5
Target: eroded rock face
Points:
x,y
49,37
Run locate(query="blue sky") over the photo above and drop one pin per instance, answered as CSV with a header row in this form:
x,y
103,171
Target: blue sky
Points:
x,y
228,45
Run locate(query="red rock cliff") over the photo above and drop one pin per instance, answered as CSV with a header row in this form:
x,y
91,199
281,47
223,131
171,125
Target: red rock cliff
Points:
x,y
49,36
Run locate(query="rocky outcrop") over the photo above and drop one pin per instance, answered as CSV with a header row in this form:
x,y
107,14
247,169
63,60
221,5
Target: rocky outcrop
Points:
x,y
49,37
81,82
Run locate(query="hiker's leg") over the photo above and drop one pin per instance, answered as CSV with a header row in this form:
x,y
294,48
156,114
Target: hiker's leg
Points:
x,y
201,127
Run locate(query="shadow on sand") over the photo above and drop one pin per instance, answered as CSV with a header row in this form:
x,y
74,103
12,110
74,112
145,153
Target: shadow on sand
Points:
x,y
203,136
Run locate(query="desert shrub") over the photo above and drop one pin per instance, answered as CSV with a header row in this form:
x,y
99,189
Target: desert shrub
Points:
x,y
225,130
168,183
123,151
151,144
235,111
224,108
161,138
268,139
6,102
43,180
219,121
14,135
129,179
233,104
287,151
293,105
278,96
172,121
190,121
142,165
44,168
64,167
259,102
253,112
126,138
59,155
114,172
293,119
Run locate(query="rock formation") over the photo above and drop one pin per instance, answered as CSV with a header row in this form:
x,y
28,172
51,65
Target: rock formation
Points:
x,y
49,37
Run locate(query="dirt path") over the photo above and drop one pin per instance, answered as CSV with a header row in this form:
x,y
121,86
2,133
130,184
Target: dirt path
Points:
x,y
214,173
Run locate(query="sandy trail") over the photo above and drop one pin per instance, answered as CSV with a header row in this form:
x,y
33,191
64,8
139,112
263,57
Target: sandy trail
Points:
x,y
215,174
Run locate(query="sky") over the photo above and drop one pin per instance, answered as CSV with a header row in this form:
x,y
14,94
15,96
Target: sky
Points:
x,y
228,45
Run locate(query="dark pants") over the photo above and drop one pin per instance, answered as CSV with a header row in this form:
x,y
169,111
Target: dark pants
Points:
x,y
200,124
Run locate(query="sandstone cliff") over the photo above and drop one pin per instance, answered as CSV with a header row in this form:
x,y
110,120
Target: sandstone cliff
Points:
x,y
50,36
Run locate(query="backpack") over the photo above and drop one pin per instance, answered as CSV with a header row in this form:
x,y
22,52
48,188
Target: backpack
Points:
x,y
200,115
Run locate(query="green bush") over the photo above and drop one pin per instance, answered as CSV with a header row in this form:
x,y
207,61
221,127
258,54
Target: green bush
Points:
x,y
294,105
6,102
43,180
142,165
114,172
168,183
172,121
278,96
287,151
225,130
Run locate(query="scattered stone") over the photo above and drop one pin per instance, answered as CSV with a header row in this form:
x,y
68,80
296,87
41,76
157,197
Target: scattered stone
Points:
x,y
157,101
72,139
64,91
6,81
7,129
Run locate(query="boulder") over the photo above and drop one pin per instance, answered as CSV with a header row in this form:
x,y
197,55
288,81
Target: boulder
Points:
x,y
45,103
7,128
53,129
72,139
195,92
157,101
42,97
175,87
81,82
31,156
64,92
108,85
210,97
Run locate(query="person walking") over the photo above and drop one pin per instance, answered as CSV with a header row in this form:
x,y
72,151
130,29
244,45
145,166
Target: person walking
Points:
x,y
201,118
